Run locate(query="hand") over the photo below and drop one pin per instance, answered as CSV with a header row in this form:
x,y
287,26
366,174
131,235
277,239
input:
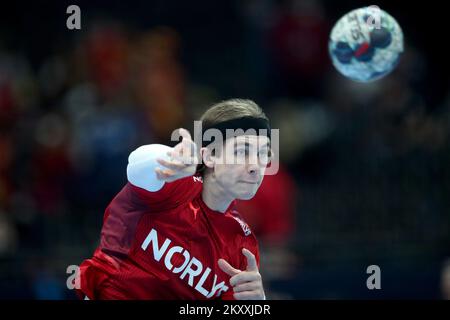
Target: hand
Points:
x,y
247,285
183,160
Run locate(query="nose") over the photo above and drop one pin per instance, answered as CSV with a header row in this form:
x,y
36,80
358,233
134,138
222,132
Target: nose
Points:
x,y
253,165
253,169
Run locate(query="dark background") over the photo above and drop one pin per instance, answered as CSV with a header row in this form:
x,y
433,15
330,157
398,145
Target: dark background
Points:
x,y
370,163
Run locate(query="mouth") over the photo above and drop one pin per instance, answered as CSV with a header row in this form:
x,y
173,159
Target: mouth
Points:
x,y
248,182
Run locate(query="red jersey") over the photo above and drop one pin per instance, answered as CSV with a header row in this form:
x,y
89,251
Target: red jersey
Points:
x,y
165,245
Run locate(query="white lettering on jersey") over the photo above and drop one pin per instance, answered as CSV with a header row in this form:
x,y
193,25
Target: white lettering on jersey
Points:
x,y
169,255
199,285
197,179
153,237
187,257
244,226
220,286
191,267
192,272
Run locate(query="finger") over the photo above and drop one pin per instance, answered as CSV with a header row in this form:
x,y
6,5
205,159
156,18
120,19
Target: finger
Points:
x,y
247,286
180,157
251,260
164,173
184,133
184,160
243,277
247,295
175,155
227,268
173,165
158,174
184,152
177,151
189,153
189,148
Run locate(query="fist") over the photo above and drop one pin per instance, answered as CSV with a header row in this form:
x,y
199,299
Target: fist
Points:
x,y
182,160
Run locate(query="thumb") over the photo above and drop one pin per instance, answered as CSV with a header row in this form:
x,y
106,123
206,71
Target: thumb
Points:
x,y
227,268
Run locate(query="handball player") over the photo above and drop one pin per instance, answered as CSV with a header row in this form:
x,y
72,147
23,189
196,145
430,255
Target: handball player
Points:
x,y
173,231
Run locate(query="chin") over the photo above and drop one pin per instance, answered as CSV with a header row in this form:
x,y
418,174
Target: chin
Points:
x,y
246,196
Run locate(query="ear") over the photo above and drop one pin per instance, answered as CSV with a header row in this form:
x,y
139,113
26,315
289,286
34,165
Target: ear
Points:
x,y
207,158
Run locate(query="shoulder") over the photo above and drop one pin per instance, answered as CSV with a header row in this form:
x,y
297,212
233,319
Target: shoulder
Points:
x,y
170,196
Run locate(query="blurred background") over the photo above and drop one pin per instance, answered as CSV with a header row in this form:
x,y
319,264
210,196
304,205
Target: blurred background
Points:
x,y
364,174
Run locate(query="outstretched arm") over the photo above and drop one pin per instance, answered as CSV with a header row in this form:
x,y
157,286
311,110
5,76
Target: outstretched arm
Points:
x,y
150,166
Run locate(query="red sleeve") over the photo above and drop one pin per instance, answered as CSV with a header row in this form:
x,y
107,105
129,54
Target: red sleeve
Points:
x,y
171,195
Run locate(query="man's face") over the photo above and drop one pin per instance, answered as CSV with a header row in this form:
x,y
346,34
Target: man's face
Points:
x,y
239,169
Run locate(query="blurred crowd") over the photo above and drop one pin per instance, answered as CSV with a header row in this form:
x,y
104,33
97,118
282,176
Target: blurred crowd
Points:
x,y
364,167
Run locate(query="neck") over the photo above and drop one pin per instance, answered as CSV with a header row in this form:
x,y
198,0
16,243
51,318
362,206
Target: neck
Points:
x,y
214,196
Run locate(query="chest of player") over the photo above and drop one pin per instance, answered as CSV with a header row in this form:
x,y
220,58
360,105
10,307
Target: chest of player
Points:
x,y
182,248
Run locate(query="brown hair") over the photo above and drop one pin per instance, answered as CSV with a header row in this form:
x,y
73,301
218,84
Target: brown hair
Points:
x,y
231,109
228,110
